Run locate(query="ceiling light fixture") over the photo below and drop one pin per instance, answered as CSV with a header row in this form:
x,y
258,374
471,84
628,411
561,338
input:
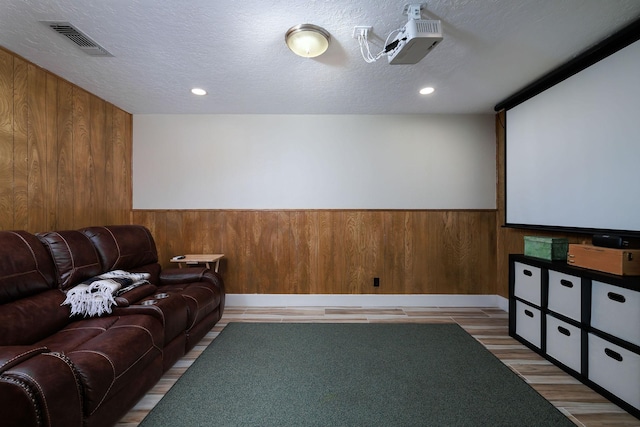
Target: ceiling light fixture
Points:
x,y
426,90
307,40
198,91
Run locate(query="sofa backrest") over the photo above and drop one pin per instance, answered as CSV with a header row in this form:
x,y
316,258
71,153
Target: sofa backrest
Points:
x,y
25,266
123,247
74,256
29,299
34,272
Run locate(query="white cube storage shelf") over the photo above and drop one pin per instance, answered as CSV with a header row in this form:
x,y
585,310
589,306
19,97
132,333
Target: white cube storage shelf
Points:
x,y
585,321
529,323
564,343
615,369
527,283
565,293
616,311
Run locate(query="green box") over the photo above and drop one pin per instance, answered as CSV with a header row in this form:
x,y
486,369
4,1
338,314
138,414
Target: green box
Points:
x,y
549,248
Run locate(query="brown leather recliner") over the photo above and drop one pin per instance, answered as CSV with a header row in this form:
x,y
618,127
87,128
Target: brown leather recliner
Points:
x,y
62,371
122,247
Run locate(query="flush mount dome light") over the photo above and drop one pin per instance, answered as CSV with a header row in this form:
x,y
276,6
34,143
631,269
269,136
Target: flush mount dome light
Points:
x,y
307,40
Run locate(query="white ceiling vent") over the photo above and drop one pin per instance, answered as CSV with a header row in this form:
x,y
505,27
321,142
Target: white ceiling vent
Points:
x,y
80,39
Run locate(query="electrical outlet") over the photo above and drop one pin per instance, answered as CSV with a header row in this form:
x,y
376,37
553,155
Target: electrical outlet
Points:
x,y
361,30
376,281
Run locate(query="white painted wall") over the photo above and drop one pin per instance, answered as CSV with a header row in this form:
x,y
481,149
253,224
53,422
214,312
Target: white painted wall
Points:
x,y
314,162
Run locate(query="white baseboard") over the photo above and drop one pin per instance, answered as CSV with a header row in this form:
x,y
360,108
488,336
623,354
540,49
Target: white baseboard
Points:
x,y
503,303
364,300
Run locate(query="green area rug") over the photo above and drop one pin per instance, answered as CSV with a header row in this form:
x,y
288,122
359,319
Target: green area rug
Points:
x,y
279,374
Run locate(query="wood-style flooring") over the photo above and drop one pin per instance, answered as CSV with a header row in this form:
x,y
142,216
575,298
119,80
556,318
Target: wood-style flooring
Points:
x,y
581,404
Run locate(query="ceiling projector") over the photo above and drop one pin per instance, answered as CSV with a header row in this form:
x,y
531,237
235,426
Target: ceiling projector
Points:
x,y
416,39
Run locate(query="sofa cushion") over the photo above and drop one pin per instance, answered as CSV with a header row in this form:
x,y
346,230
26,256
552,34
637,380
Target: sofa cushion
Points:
x,y
29,299
30,319
123,247
74,256
110,353
25,266
202,298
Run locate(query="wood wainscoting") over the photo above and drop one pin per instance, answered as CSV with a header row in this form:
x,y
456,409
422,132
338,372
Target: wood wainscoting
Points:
x,y
336,251
65,163
65,154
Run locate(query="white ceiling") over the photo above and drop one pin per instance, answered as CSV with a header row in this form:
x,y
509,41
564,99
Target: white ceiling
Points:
x,y
236,51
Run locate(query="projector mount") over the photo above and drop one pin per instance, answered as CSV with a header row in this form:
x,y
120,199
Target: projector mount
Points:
x,y
406,45
414,11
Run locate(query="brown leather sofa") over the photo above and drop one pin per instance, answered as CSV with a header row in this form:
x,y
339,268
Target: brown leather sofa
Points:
x,y
57,370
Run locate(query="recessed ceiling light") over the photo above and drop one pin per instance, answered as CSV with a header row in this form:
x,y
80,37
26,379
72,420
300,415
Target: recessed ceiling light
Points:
x,y
198,91
426,90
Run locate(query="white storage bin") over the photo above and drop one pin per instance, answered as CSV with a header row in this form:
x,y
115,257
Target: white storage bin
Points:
x,y
565,294
529,323
528,283
564,343
616,311
615,369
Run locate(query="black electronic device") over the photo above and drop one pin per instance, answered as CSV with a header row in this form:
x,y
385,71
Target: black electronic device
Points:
x,y
614,241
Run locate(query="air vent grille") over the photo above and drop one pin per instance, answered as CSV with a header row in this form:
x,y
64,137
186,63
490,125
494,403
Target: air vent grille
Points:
x,y
80,39
428,26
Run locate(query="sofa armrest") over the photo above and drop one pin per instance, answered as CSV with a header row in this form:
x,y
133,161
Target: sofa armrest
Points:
x,y
43,389
149,310
180,276
135,295
15,354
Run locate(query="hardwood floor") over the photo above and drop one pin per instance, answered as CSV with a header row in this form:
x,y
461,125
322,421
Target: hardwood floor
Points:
x,y
582,405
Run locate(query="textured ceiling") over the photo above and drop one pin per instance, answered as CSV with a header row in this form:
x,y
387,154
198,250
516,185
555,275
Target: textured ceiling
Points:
x,y
236,51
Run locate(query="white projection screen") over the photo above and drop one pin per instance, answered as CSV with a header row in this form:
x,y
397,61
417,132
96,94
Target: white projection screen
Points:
x,y
573,151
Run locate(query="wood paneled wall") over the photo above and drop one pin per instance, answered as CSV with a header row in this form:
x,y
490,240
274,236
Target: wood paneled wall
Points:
x,y
336,251
65,163
65,155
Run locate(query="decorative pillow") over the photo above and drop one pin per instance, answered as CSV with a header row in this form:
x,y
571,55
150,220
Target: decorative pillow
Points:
x,y
74,256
